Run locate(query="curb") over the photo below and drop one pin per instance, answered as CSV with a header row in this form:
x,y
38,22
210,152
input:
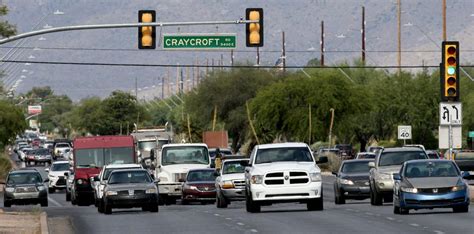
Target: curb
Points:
x,y
44,223
471,193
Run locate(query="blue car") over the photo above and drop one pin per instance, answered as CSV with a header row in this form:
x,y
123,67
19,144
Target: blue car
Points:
x,y
428,184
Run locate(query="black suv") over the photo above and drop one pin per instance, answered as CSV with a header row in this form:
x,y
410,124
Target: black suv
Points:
x,y
25,186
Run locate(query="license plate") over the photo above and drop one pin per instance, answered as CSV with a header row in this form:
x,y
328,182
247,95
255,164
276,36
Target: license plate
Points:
x,y
131,192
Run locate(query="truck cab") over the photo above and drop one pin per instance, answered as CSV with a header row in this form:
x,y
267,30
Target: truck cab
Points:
x,y
173,162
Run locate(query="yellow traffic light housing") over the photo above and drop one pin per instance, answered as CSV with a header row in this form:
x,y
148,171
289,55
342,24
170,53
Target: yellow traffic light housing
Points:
x,y
450,71
146,35
254,31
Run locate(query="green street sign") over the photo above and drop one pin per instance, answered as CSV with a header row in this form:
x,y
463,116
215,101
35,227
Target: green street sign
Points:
x,y
471,134
199,41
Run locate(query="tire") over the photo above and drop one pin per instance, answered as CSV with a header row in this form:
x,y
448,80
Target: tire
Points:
x,y
388,198
396,209
377,198
145,208
107,209
461,209
7,203
51,190
404,211
315,204
250,205
68,196
154,208
44,202
184,202
100,208
220,201
339,199
161,200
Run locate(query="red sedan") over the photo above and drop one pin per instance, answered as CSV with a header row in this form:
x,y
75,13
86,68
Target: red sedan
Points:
x,y
199,186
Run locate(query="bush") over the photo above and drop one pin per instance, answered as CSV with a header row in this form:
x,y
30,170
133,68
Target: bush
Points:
x,y
5,166
333,164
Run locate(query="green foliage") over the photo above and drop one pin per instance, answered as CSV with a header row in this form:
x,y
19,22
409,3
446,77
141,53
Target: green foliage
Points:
x,y
5,166
6,29
12,122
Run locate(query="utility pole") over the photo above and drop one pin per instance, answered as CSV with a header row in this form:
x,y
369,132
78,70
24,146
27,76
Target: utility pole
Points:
x,y
212,69
363,35
198,75
221,63
258,56
322,43
232,57
283,50
136,89
399,15
444,20
162,88
207,67
177,79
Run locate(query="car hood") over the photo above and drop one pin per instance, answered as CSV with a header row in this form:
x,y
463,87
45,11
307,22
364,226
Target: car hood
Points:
x,y
57,173
201,183
390,169
433,182
286,166
135,186
235,176
182,168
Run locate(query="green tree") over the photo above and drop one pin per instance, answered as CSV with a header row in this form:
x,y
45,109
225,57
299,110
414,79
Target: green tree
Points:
x,y
12,122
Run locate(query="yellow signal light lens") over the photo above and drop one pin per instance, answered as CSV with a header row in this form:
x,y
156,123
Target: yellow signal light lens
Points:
x,y
147,40
451,61
451,91
451,81
254,15
147,18
451,50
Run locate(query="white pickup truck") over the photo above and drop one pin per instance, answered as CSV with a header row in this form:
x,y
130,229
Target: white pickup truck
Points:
x,y
283,172
172,163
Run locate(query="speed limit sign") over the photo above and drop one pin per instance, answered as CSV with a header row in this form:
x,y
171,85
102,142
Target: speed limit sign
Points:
x,y
404,132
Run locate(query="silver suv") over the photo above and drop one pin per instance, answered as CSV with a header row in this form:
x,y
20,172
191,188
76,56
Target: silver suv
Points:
x,y
230,183
388,162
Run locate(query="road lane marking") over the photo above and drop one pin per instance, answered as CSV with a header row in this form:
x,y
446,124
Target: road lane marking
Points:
x,y
438,232
228,218
368,213
241,224
253,230
390,218
54,202
217,215
414,224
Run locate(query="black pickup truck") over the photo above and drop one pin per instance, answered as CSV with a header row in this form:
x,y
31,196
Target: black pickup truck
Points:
x,y
465,161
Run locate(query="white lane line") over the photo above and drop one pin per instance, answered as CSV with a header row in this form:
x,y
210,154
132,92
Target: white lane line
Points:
x,y
54,202
438,232
241,224
217,215
349,209
228,218
414,224
253,230
390,218
368,213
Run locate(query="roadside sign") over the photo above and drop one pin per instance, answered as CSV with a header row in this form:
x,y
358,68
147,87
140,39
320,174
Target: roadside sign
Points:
x,y
199,41
444,137
404,132
34,110
471,134
450,113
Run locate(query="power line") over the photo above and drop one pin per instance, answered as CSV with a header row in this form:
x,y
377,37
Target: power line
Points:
x,y
218,66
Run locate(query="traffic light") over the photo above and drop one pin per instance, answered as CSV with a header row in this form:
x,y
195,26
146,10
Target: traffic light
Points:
x,y
450,71
146,35
254,31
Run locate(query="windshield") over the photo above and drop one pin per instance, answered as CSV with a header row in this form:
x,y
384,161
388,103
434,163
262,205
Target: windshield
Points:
x,y
24,178
361,156
185,155
99,157
60,167
146,145
233,167
129,177
293,154
42,151
109,170
355,167
464,156
431,169
204,175
62,145
398,158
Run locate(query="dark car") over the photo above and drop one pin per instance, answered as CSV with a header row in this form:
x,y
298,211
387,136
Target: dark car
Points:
x,y
129,188
428,184
465,161
199,186
25,186
352,180
365,155
346,151
43,156
432,154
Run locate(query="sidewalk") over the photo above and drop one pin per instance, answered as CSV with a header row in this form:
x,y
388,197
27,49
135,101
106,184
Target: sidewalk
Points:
x,y
21,222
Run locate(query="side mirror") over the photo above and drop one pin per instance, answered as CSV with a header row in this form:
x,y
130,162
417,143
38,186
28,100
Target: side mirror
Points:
x,y
334,173
152,155
66,173
96,179
46,169
371,164
396,176
322,159
46,180
465,175
182,180
217,173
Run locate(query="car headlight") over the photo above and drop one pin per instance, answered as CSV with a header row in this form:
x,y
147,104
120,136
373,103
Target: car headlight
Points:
x,y
190,187
383,176
111,193
344,181
409,190
315,177
256,179
150,191
80,181
458,188
227,184
41,188
10,189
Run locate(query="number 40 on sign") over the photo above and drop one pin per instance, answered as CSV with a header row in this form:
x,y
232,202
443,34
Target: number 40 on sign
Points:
x,y
404,132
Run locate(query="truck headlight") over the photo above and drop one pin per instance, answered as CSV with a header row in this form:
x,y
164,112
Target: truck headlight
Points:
x,y
41,188
80,181
458,188
10,189
409,190
256,179
111,193
344,181
151,191
315,177
227,184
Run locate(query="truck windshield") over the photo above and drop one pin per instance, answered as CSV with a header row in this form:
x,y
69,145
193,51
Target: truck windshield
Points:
x,y
293,154
464,156
185,155
146,145
103,156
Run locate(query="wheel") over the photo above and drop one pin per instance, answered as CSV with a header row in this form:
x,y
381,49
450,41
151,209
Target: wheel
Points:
x,y
7,203
204,202
251,205
73,199
184,202
154,208
161,200
376,197
51,190
396,209
388,198
35,163
315,204
100,208
461,209
404,211
145,208
107,209
221,202
44,202
68,196
339,199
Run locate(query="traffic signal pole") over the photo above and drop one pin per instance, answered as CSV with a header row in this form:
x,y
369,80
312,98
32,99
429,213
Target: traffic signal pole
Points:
x,y
130,25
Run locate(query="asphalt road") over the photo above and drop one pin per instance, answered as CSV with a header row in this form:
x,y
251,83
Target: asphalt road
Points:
x,y
353,217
